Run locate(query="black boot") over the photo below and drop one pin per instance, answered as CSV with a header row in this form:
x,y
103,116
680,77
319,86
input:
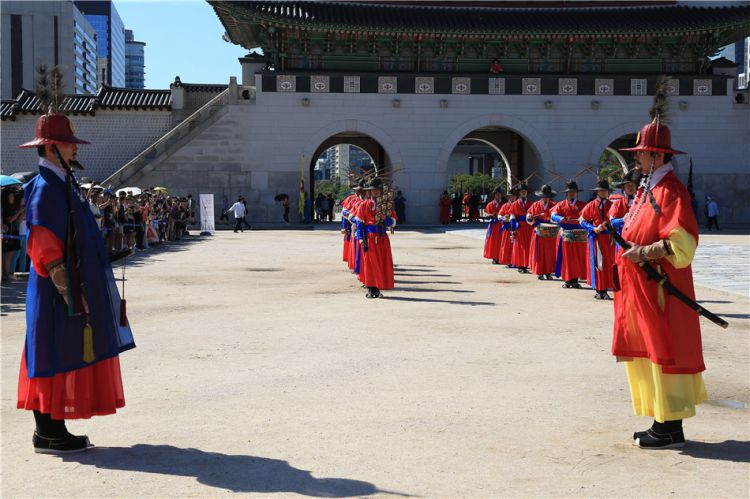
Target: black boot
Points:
x,y
373,292
666,435
52,437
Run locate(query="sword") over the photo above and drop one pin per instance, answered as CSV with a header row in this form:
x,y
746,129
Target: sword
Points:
x,y
663,281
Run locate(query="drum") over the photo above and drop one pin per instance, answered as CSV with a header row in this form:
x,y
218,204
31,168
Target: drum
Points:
x,y
547,230
575,235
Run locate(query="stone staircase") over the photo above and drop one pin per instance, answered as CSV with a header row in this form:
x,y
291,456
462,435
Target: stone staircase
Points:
x,y
135,169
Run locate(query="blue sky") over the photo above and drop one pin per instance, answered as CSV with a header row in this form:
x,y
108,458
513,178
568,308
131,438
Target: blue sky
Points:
x,y
183,37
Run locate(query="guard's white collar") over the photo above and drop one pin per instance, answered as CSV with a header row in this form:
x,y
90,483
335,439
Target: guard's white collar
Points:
x,y
51,166
660,174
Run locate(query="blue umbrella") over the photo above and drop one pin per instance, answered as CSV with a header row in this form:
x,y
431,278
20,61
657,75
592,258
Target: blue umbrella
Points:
x,y
5,181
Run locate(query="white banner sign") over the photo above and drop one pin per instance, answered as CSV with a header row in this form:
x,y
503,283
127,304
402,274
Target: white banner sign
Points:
x,y
207,214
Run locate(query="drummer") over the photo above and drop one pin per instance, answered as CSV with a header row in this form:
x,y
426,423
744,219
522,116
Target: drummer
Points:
x,y
571,255
543,251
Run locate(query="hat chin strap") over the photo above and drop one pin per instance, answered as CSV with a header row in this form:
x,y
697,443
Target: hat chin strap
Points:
x,y
63,164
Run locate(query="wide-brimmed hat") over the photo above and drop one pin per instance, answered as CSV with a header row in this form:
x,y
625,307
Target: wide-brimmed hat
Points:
x,y
571,186
53,128
546,192
633,176
522,187
602,185
654,137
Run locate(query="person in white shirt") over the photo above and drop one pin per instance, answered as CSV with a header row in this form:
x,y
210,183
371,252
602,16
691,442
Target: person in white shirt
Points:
x,y
238,210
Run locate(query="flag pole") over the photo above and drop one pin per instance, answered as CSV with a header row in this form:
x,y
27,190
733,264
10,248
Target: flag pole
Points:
x,y
301,206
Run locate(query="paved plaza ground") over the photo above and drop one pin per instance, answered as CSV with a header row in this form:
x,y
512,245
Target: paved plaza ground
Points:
x,y
262,368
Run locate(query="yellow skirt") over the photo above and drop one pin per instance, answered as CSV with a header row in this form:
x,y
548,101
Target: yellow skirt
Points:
x,y
664,397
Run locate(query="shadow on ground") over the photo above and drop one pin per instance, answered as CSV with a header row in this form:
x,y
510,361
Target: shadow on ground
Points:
x,y
14,291
729,450
237,473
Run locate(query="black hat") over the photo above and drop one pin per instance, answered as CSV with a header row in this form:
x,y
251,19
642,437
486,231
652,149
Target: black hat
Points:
x,y
633,176
522,186
375,183
571,186
497,190
513,191
602,185
546,192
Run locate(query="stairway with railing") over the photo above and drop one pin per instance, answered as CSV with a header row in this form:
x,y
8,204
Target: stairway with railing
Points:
x,y
175,138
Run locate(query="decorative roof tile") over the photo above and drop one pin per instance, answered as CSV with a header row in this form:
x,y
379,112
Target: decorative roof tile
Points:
x,y
106,98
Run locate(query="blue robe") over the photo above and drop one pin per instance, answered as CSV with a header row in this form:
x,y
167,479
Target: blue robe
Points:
x,y
54,340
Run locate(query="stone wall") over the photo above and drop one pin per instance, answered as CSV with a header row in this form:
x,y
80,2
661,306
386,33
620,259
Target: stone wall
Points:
x,y
116,137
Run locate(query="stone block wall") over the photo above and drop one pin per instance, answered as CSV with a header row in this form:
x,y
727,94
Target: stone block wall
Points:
x,y
116,137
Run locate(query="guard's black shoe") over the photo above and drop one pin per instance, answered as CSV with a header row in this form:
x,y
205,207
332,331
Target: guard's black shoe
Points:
x,y
541,277
523,270
63,445
602,295
640,434
653,440
374,294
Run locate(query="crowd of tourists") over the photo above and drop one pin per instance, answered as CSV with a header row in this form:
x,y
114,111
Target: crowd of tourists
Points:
x,y
127,218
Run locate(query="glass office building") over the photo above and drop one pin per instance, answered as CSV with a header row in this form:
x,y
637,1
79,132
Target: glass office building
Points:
x,y
134,62
103,16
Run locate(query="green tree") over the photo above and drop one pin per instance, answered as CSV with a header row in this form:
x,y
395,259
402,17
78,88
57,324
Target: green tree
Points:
x,y
480,183
610,167
334,187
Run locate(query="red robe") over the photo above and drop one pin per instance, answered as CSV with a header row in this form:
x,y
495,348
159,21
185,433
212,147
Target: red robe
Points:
x,y
650,323
543,250
506,245
377,259
492,239
353,243
574,254
347,232
619,207
445,210
522,244
599,273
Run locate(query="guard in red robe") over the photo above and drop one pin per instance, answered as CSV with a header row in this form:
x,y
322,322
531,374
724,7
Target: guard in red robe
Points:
x,y
492,238
543,250
522,236
656,335
621,203
571,247
346,226
375,244
601,245
506,241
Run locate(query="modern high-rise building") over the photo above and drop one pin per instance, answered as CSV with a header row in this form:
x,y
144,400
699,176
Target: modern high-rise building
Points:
x,y
46,33
742,58
135,74
106,21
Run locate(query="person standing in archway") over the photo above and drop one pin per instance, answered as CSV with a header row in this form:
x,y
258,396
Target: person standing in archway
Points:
x,y
522,240
492,238
543,249
445,208
400,206
456,203
571,254
601,245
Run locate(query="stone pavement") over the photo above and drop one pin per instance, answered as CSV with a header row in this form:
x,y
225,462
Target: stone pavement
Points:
x,y
261,368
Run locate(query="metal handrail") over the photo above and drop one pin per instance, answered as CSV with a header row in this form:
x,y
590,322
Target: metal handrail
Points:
x,y
221,97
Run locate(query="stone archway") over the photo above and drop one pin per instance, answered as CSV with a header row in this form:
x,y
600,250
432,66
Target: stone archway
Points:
x,y
499,121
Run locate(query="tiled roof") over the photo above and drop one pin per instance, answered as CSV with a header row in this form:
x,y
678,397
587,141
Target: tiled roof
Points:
x,y
237,17
106,98
204,87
